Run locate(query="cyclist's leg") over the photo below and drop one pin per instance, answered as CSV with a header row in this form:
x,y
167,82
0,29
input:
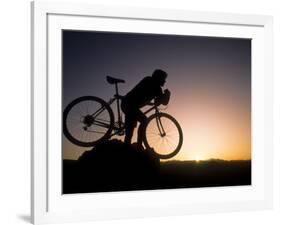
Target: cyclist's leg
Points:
x,y
130,124
140,116
130,121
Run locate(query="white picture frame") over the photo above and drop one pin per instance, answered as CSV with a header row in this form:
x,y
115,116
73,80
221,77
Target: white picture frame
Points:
x,y
46,204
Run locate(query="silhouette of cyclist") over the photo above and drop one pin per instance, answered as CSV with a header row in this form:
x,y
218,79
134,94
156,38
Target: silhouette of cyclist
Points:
x,y
142,94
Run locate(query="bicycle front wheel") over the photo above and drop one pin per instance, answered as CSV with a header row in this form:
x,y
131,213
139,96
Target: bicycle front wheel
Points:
x,y
163,135
87,120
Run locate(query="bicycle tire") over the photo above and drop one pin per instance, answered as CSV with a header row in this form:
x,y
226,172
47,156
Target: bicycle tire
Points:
x,y
69,135
175,150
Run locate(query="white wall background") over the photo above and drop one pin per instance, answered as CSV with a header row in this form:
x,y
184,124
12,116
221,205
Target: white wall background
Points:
x,y
15,109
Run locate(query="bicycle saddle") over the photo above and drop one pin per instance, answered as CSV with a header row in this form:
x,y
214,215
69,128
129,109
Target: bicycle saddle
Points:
x,y
113,80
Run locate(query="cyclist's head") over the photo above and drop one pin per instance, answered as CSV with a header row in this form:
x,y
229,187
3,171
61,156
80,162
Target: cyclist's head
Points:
x,y
159,76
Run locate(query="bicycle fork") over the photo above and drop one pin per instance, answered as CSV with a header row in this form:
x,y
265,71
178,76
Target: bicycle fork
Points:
x,y
162,132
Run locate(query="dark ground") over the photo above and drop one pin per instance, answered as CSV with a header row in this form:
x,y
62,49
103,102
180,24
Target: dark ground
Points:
x,y
114,166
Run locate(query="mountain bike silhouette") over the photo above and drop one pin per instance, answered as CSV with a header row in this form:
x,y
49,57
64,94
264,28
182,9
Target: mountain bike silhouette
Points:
x,y
89,120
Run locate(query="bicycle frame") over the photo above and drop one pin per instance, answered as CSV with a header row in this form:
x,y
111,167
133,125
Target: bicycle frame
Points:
x,y
119,126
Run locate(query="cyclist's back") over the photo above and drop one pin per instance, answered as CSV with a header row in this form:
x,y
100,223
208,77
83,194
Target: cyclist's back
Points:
x,y
143,92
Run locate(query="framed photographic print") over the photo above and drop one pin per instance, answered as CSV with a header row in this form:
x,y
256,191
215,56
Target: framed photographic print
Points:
x,y
148,112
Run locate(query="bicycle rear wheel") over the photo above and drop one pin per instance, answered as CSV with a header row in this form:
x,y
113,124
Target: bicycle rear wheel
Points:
x,y
163,135
87,120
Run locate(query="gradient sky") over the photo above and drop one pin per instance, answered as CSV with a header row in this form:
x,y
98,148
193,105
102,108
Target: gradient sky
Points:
x,y
209,79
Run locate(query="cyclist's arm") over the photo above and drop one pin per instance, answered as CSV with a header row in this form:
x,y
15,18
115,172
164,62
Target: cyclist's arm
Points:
x,y
158,97
163,98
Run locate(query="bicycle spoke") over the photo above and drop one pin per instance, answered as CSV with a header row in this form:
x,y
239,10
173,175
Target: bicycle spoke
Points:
x,y
172,140
153,137
75,112
76,126
157,145
170,147
97,132
154,133
81,110
75,117
87,108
